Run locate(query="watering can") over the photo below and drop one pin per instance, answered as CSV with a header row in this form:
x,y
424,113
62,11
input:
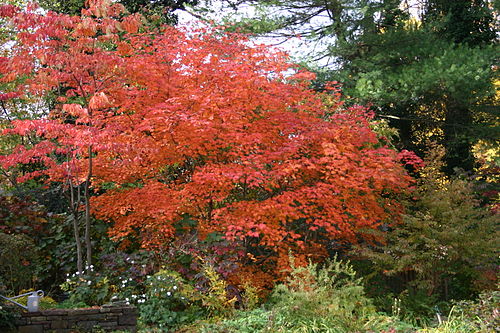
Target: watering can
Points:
x,y
33,300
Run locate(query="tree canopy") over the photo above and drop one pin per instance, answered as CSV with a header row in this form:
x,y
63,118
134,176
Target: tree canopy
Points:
x,y
166,124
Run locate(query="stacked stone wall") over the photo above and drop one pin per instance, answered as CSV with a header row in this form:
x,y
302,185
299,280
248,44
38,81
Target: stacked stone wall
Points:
x,y
123,318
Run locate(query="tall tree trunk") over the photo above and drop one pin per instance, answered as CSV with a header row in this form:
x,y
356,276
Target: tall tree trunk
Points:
x,y
75,203
88,240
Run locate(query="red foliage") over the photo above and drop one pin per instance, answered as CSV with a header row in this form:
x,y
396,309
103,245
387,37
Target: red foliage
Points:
x,y
197,122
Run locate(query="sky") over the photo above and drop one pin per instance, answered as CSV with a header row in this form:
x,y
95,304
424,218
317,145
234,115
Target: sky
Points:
x,y
298,48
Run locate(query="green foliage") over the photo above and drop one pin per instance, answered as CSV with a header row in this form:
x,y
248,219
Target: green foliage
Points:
x,y
416,307
167,302
454,324
259,23
465,21
72,7
257,320
215,299
482,314
331,297
444,237
7,316
18,261
70,304
313,299
38,212
431,86
250,299
89,288
441,68
432,75
121,276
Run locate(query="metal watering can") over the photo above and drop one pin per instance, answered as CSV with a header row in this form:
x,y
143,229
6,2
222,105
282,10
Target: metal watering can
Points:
x,y
33,300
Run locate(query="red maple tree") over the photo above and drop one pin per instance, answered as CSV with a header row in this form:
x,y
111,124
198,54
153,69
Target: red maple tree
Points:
x,y
166,123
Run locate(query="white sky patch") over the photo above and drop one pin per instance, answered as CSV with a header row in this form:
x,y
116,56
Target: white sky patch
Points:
x,y
300,49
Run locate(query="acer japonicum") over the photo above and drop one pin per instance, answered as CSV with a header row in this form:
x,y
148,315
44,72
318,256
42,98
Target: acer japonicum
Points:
x,y
197,123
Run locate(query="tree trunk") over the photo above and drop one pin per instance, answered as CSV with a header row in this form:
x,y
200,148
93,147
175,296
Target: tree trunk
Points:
x,y
75,202
88,240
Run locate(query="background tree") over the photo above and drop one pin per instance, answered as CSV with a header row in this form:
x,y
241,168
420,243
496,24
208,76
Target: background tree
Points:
x,y
432,76
446,239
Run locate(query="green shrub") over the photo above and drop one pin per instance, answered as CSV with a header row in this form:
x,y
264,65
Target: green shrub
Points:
x,y
456,323
7,316
215,298
484,313
168,301
18,261
331,296
443,241
418,308
89,288
313,299
257,320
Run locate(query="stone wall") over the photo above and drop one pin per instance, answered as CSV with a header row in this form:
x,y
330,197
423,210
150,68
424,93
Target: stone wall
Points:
x,y
79,320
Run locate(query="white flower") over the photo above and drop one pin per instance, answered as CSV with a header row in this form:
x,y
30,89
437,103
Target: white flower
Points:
x,y
169,293
175,287
89,282
132,262
127,299
68,280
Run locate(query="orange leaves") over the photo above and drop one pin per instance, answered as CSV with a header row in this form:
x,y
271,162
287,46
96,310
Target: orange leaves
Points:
x,y
103,8
124,49
86,28
202,124
131,23
139,208
8,10
99,101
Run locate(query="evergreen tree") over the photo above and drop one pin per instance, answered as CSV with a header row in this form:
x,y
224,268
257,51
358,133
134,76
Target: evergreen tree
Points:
x,y
433,77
